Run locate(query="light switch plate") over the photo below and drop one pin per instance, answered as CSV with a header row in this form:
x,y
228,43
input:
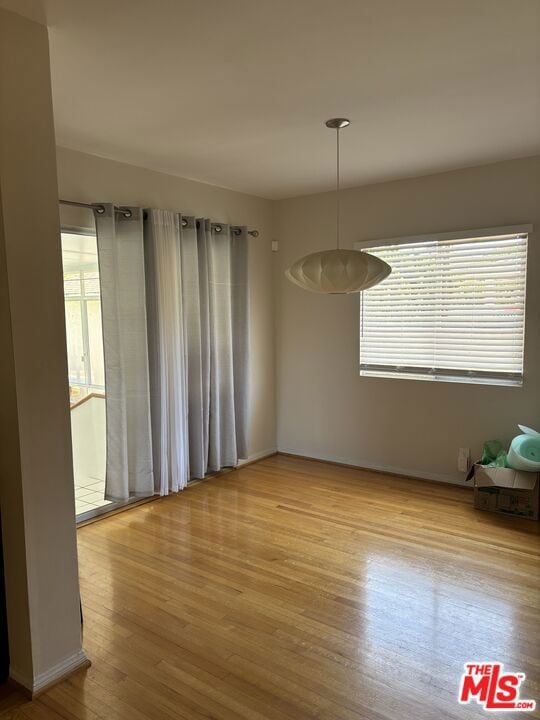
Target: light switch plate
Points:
x,y
464,459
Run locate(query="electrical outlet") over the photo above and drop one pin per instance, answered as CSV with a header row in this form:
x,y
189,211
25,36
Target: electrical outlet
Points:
x,y
464,460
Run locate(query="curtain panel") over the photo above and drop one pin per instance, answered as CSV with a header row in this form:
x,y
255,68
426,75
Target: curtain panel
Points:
x,y
129,471
175,326
214,280
167,351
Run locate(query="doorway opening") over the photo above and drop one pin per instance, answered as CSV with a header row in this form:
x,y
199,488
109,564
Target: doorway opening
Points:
x,y
86,370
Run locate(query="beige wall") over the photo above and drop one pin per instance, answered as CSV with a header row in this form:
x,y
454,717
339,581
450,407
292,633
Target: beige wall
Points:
x,y
324,408
36,476
88,178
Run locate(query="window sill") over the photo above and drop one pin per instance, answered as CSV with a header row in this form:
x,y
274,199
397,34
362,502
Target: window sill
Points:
x,y
501,382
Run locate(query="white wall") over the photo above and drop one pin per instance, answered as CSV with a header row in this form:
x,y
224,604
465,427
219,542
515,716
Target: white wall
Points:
x,y
36,475
324,408
88,178
88,439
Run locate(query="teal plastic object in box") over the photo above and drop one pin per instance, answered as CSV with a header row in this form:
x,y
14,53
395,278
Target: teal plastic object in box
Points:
x,y
524,453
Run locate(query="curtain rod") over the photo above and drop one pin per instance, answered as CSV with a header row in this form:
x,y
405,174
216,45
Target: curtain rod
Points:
x,y
126,212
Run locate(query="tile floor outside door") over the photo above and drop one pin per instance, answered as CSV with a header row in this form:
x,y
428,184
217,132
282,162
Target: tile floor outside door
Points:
x,y
89,494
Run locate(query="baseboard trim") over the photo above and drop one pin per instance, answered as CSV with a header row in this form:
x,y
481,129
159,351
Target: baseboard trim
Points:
x,y
255,457
386,470
45,680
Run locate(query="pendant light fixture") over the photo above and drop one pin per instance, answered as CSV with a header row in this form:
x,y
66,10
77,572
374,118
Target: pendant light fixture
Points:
x,y
338,271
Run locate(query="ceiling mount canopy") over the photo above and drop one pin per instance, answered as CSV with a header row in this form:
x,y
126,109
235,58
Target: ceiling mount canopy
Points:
x,y
338,271
337,123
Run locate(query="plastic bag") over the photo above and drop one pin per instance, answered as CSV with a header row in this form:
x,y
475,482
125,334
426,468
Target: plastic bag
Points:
x,y
493,455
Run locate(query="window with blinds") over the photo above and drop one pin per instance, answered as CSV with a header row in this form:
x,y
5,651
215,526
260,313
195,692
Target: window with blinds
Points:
x,y
453,309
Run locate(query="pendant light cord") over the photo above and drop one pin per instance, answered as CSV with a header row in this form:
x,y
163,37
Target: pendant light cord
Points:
x,y
337,124
337,187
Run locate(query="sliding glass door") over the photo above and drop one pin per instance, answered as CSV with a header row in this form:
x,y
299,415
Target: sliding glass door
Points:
x,y
86,371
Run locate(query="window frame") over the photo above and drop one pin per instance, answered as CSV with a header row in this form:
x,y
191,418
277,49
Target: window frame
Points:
x,y
82,300
480,377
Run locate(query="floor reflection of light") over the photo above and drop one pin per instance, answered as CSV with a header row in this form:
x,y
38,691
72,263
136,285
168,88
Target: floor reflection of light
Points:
x,y
431,620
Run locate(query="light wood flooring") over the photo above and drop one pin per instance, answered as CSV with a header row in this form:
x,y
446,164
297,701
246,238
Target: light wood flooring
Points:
x,y
294,590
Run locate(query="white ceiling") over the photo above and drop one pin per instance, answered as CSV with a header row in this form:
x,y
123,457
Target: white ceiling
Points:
x,y
235,92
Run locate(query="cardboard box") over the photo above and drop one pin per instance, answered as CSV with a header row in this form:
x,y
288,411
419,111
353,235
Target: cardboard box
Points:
x,y
504,490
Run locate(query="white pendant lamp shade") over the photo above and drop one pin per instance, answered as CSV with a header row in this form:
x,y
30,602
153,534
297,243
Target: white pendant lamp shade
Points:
x,y
338,271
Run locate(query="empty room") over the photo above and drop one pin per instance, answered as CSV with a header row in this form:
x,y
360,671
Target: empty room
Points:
x,y
270,368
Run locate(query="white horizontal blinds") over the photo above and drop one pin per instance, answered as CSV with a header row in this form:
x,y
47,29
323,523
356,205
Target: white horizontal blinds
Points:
x,y
450,307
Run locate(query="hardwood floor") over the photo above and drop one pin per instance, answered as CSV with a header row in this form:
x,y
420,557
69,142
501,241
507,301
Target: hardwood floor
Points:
x,y
294,589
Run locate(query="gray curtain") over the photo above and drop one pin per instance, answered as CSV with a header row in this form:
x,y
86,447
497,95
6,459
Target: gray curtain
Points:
x,y
175,327
214,288
167,350
195,299
123,306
